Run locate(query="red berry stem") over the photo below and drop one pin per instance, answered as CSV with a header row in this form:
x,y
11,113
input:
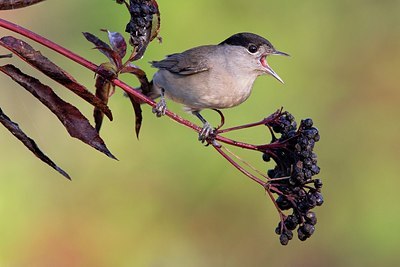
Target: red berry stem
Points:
x,y
135,93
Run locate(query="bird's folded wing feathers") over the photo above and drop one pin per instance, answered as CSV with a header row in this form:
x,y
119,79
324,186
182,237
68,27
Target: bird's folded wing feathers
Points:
x,y
186,63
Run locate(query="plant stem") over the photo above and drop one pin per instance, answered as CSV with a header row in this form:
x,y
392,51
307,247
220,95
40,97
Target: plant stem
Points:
x,y
89,65
135,93
240,168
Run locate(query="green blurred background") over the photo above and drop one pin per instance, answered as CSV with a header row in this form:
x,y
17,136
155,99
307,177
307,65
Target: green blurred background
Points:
x,y
170,201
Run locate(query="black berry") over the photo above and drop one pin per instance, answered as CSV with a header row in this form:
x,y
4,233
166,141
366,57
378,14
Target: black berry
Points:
x,y
292,178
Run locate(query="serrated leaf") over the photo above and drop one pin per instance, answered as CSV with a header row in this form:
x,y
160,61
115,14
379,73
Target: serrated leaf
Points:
x,y
29,143
104,48
43,64
118,43
76,124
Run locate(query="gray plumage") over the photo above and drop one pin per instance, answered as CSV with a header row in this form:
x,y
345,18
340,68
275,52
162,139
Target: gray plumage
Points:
x,y
213,76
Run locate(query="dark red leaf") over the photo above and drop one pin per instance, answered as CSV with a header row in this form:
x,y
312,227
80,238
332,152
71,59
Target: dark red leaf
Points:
x,y
104,48
29,143
145,89
103,89
118,43
12,4
138,114
75,123
140,74
43,64
96,41
155,26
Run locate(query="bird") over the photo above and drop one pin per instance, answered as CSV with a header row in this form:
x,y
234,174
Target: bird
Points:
x,y
213,76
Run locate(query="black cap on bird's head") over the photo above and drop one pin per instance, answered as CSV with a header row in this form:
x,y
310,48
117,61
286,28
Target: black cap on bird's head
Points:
x,y
245,38
252,42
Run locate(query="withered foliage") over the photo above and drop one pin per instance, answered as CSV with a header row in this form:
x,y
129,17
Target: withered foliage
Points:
x,y
13,4
73,120
28,142
291,183
77,125
50,69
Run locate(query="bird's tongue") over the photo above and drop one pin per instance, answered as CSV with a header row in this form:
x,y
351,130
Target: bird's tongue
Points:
x,y
264,62
269,69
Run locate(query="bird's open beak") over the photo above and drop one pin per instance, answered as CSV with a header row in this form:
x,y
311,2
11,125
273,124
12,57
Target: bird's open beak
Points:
x,y
279,53
268,69
273,73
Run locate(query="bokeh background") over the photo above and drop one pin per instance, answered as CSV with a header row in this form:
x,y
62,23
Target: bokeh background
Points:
x,y
170,201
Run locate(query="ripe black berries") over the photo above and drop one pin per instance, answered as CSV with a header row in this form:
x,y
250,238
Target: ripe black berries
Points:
x,y
142,26
292,178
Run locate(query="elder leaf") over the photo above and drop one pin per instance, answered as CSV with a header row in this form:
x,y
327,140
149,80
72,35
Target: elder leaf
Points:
x,y
43,64
75,123
29,143
104,48
118,43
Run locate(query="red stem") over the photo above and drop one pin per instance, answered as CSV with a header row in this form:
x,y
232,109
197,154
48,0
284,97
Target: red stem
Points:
x,y
89,65
242,126
130,90
237,166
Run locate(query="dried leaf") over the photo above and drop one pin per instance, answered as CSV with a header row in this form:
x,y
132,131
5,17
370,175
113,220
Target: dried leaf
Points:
x,y
43,64
29,143
103,90
155,26
145,89
13,4
96,41
104,48
140,74
138,114
118,43
75,123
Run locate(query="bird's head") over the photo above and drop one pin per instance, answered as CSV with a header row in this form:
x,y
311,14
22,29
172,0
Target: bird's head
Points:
x,y
254,49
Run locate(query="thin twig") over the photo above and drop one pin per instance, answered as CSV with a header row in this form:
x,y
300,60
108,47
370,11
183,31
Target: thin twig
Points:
x,y
240,168
135,93
245,126
246,163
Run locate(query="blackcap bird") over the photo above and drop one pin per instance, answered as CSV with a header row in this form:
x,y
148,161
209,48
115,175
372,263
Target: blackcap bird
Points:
x,y
213,76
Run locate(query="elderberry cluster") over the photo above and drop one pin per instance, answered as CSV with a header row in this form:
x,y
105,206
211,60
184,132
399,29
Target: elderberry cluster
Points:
x,y
140,24
292,178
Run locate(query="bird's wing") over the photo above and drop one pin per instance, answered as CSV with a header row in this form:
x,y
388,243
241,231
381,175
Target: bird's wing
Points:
x,y
189,62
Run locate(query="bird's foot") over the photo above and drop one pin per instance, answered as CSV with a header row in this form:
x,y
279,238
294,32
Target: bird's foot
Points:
x,y
207,135
160,108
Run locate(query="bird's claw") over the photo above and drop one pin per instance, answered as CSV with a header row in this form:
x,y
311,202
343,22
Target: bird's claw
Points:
x,y
160,108
207,134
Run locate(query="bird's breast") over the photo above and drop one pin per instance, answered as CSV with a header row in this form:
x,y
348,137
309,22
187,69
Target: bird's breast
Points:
x,y
207,89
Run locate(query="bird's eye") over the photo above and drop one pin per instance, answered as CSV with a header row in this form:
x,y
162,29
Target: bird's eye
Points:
x,y
252,48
